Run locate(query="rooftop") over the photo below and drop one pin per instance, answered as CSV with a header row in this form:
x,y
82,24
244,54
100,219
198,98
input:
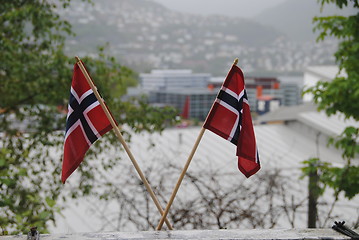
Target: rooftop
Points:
x,y
188,91
280,147
326,73
308,114
173,73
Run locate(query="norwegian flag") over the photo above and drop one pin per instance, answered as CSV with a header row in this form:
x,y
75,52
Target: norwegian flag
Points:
x,y
86,122
231,119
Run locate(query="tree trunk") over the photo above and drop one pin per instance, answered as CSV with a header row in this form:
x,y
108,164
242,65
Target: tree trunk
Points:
x,y
312,198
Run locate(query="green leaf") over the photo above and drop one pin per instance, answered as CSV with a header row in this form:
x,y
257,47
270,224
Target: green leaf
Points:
x,y
7,181
22,172
44,215
50,202
2,162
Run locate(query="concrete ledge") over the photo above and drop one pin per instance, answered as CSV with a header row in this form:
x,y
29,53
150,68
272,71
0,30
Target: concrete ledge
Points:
x,y
257,234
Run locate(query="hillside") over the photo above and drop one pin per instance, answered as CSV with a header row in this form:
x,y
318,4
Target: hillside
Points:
x,y
294,18
145,35
128,20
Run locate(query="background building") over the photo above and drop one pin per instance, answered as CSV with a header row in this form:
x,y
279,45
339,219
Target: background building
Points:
x,y
169,79
195,92
197,101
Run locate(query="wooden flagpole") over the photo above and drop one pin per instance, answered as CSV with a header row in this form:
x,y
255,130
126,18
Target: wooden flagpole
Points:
x,y
179,181
122,140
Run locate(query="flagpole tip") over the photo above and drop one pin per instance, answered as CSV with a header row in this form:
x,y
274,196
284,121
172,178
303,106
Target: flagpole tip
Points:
x,y
235,61
77,59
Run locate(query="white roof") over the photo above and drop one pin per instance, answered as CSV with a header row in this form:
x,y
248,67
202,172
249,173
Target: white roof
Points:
x,y
308,115
331,126
326,72
280,147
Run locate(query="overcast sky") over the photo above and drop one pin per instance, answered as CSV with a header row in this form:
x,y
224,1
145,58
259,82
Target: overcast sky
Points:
x,y
237,8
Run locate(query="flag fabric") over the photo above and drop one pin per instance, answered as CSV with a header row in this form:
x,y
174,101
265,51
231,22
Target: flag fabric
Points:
x,y
231,119
86,122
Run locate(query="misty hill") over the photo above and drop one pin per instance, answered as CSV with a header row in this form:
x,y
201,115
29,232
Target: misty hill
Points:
x,y
233,8
294,18
126,21
145,35
137,29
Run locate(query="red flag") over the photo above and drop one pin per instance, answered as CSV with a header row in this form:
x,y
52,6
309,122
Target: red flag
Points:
x,y
86,122
231,119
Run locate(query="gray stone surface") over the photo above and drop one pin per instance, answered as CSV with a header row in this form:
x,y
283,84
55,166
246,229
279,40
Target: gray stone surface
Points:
x,y
198,234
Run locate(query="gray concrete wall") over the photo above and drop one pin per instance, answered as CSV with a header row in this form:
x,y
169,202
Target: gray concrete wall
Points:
x,y
257,234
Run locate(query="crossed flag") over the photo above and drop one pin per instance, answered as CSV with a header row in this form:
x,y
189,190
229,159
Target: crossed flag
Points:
x,y
89,118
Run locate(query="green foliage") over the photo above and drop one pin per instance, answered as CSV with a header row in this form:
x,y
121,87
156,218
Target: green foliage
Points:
x,y
313,165
341,95
344,179
339,3
35,78
348,142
